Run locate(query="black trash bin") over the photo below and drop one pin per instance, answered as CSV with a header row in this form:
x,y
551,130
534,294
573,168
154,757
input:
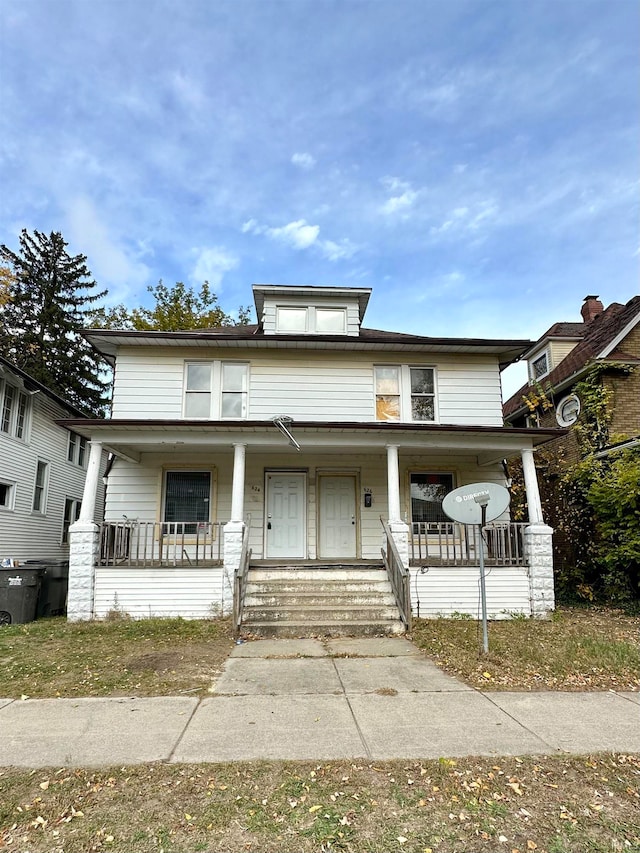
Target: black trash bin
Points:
x,y
53,589
19,591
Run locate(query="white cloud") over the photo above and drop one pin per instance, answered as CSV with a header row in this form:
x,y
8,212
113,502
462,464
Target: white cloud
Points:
x,y
300,235
112,264
403,198
211,265
303,160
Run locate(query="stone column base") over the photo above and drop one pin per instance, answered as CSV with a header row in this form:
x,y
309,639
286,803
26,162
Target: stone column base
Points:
x,y
400,534
84,553
233,535
539,553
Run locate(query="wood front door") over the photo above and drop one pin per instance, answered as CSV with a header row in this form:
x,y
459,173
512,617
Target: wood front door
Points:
x,y
337,538
286,513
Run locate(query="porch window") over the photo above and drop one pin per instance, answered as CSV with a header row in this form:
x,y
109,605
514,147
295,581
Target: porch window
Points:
x,y
234,390
427,493
198,390
387,393
187,499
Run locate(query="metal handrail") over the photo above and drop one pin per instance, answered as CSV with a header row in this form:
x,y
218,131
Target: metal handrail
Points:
x,y
160,543
398,575
240,578
454,544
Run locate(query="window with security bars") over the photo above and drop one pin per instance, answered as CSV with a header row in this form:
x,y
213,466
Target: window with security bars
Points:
x,y
427,493
187,499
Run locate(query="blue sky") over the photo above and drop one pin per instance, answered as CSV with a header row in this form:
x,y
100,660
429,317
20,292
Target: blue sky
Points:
x,y
475,162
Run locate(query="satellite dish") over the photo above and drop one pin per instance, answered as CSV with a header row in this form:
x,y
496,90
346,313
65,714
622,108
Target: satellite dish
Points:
x,y
465,504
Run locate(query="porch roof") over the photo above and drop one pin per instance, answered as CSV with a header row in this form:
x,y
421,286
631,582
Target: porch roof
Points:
x,y
131,437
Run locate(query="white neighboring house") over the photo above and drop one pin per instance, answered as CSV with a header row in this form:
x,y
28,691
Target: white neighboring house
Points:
x,y
43,468
204,431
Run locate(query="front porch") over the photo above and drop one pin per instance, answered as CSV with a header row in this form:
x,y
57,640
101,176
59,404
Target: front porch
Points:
x,y
321,507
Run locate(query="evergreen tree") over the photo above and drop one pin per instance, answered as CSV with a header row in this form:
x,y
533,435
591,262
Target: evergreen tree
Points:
x,y
49,294
177,308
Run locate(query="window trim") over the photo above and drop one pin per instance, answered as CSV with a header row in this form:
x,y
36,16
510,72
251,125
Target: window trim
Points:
x,y
428,472
18,420
9,506
216,374
545,353
41,509
77,449
213,494
405,393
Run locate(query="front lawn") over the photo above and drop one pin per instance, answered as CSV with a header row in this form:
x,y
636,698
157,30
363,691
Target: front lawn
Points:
x,y
591,648
123,657
556,804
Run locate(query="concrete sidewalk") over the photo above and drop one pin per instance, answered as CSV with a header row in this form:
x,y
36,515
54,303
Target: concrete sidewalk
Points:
x,y
306,699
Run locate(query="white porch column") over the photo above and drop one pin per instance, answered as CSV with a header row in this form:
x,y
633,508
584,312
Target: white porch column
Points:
x,y
531,486
237,491
399,530
84,546
393,483
234,529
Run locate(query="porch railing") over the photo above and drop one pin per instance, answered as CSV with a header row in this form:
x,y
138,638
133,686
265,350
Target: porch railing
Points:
x,y
398,575
240,583
453,544
161,543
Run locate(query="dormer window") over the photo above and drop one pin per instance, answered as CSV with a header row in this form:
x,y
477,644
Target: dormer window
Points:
x,y
540,366
311,320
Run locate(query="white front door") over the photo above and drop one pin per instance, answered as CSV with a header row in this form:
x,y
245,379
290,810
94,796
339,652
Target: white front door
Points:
x,y
286,512
337,516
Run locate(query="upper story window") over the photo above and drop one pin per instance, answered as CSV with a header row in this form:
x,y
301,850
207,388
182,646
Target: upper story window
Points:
x,y
77,449
539,367
417,403
310,320
14,409
215,389
40,487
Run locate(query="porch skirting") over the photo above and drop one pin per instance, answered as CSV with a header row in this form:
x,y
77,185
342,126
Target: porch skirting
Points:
x,y
192,593
455,590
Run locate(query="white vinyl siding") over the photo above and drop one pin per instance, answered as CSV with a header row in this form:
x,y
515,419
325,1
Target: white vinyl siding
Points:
x,y
448,591
29,535
165,592
307,384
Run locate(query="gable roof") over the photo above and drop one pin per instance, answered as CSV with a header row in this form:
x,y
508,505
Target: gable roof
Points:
x,y
32,384
601,340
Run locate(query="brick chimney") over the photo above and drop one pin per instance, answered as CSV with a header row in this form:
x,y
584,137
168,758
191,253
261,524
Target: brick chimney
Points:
x,y
591,308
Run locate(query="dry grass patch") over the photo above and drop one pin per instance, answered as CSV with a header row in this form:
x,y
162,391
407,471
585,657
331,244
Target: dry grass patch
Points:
x,y
549,805
577,649
123,657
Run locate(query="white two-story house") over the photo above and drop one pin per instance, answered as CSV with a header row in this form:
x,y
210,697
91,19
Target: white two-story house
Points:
x,y
304,442
42,469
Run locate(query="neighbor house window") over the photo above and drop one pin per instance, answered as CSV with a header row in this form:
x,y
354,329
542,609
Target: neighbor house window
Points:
x,y
7,494
234,390
14,408
40,487
71,514
427,493
77,449
387,381
187,500
198,390
540,367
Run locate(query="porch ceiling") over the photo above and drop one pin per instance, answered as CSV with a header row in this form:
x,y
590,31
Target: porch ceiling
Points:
x,y
130,438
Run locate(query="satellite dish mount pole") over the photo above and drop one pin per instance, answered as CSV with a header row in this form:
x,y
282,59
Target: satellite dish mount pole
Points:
x,y
483,500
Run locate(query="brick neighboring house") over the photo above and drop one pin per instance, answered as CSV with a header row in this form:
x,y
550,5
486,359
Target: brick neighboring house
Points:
x,y
562,357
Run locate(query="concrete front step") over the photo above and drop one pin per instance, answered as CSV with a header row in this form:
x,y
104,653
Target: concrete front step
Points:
x,y
338,601
332,628
319,613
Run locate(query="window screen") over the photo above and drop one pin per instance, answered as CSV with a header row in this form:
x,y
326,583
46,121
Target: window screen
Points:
x,y
187,497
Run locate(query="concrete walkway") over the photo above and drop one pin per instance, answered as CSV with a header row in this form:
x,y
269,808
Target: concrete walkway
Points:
x,y
369,699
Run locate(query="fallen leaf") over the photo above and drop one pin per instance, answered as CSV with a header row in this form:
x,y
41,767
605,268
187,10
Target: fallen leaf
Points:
x,y
314,809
